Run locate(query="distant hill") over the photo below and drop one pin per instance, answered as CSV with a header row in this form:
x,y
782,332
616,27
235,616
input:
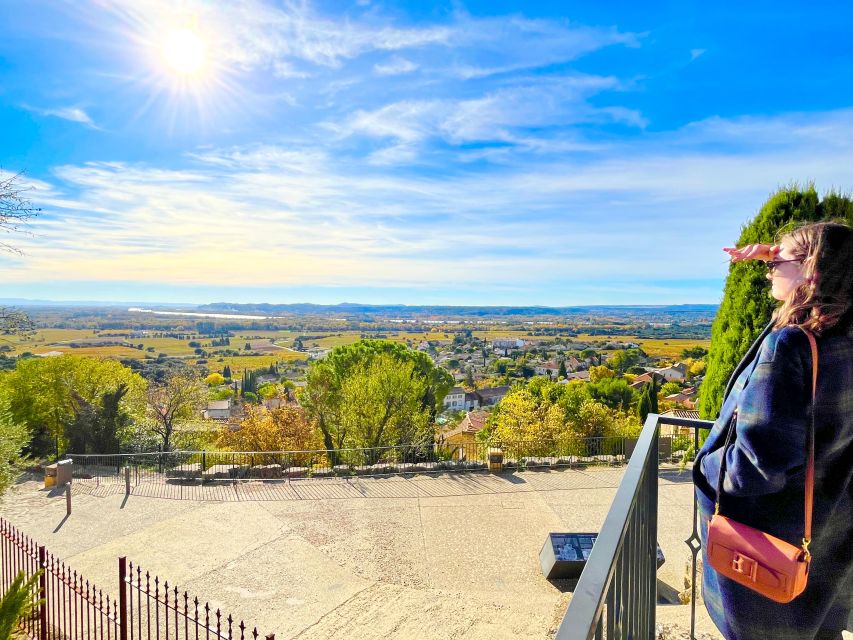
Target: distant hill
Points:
x,y
691,312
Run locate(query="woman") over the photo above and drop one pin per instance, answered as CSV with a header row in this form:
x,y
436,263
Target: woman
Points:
x,y
811,271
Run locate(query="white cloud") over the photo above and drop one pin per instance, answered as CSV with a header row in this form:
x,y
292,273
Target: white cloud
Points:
x,y
695,53
395,66
72,114
310,218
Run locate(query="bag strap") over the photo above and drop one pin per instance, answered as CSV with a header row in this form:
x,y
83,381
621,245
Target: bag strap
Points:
x,y
809,488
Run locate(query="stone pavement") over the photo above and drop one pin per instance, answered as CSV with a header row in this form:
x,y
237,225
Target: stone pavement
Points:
x,y
444,556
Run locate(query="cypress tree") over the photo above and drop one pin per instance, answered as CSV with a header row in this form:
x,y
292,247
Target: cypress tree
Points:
x,y
562,373
746,306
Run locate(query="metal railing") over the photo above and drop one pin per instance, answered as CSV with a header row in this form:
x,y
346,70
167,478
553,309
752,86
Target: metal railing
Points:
x,y
231,466
69,607
616,594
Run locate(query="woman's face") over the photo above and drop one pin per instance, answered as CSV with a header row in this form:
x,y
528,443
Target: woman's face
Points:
x,y
786,276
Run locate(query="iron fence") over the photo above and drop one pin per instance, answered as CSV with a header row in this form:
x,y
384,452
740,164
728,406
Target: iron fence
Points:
x,y
69,607
231,466
616,595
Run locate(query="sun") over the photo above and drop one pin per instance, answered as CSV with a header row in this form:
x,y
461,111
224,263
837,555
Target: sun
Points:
x,y
184,51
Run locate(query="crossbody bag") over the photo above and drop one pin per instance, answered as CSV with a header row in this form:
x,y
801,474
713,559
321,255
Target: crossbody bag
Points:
x,y
753,558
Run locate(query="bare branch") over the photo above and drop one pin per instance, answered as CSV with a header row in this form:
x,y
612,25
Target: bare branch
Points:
x,y
15,208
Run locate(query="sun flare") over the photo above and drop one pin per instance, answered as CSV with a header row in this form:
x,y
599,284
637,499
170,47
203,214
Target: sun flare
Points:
x,y
184,51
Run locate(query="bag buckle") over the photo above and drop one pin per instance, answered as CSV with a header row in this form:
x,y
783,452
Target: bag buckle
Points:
x,y
744,565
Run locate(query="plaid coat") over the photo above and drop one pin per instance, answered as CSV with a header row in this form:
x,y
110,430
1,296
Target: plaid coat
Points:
x,y
764,481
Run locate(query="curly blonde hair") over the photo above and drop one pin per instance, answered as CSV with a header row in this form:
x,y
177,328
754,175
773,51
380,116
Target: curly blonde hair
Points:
x,y
825,298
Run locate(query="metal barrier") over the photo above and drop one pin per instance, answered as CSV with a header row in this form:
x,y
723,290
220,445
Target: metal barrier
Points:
x,y
616,595
133,469
72,608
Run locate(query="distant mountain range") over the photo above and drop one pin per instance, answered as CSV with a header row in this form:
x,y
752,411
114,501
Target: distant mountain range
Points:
x,y
687,312
404,311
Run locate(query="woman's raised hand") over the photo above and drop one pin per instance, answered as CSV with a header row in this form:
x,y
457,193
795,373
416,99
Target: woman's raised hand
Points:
x,y
763,252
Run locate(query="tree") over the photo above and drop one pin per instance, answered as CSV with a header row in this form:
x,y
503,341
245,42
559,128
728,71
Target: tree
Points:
x,y
599,373
648,402
98,427
621,361
15,211
381,405
214,380
746,306
226,372
612,392
694,352
282,429
40,394
329,390
469,379
180,399
13,439
15,208
562,373
670,388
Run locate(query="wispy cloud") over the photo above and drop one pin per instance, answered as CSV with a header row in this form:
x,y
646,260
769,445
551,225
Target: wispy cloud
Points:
x,y
395,66
305,217
72,114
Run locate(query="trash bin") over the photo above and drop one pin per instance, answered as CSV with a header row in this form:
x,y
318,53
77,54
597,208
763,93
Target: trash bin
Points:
x,y
49,476
496,460
63,472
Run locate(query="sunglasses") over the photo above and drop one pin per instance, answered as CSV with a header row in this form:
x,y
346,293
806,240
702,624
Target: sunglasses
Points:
x,y
774,264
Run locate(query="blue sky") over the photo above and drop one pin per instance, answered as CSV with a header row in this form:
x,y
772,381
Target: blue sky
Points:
x,y
447,153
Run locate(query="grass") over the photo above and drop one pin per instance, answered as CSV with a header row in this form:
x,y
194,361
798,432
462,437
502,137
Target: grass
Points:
x,y
239,364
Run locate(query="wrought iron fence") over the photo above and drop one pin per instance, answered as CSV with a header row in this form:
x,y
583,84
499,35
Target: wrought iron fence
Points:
x,y
231,466
72,608
616,595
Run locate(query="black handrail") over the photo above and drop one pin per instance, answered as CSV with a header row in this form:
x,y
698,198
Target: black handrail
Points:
x,y
618,586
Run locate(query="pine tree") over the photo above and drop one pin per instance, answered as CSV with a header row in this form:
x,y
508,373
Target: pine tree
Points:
x,y
747,306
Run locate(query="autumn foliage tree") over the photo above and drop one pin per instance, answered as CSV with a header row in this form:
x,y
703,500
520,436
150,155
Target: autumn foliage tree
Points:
x,y
286,428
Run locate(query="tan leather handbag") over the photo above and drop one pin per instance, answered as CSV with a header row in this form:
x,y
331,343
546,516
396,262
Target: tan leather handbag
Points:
x,y
766,564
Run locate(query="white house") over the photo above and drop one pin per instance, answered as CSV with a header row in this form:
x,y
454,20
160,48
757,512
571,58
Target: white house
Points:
x,y
218,409
550,369
455,399
507,344
675,373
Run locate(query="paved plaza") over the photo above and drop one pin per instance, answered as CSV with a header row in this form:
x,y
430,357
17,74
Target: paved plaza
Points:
x,y
425,556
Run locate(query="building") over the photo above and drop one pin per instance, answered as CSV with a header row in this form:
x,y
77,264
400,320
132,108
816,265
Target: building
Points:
x,y
455,399
672,430
465,433
550,369
490,397
675,373
218,410
505,345
686,396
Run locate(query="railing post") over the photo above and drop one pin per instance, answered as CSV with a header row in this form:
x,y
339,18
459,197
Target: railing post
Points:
x,y
127,481
68,498
122,597
43,593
